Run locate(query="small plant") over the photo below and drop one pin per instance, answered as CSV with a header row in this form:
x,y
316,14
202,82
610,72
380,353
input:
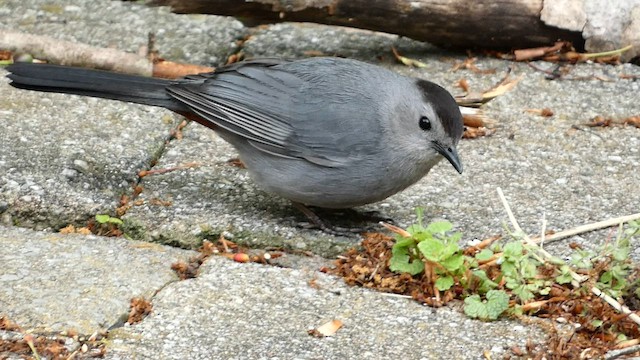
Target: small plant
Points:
x,y
433,247
434,251
106,219
520,271
106,225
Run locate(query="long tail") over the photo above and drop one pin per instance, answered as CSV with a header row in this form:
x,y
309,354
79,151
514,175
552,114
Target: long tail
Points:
x,y
94,83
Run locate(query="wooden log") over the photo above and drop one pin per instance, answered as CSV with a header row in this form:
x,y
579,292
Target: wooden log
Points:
x,y
486,24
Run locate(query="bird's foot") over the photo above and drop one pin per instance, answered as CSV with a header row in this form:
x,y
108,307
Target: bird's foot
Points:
x,y
317,222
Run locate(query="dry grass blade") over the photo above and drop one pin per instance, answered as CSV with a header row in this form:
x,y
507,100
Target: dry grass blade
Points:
x,y
395,229
505,85
588,227
611,301
407,61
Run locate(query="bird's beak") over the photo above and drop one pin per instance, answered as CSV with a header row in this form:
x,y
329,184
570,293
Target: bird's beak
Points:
x,y
451,154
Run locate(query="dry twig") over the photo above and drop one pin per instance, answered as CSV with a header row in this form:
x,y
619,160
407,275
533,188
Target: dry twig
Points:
x,y
611,301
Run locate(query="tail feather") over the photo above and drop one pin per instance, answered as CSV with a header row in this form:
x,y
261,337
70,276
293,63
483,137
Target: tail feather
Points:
x,y
94,83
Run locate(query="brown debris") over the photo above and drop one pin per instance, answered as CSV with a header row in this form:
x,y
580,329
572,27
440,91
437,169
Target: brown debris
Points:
x,y
469,64
51,348
407,61
464,85
234,58
70,229
5,55
189,270
368,267
8,325
189,165
108,229
177,132
326,329
563,51
601,121
139,309
236,162
160,202
172,70
472,132
475,99
546,112
34,346
221,247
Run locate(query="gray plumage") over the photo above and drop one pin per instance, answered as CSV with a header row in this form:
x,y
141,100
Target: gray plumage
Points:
x,y
328,132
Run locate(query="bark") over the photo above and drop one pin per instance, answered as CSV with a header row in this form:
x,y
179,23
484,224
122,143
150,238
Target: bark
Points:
x,y
73,54
486,24
591,25
69,53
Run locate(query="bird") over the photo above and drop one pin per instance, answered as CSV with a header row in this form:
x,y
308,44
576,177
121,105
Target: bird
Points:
x,y
324,132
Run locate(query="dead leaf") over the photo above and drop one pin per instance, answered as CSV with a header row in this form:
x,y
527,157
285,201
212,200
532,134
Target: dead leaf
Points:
x,y
505,85
407,61
469,64
464,85
475,99
326,329
534,53
563,51
546,112
472,133
172,70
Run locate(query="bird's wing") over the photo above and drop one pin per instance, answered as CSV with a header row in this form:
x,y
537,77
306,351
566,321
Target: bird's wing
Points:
x,y
262,103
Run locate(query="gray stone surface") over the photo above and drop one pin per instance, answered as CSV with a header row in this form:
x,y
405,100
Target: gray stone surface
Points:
x,y
60,167
54,282
125,26
265,313
64,159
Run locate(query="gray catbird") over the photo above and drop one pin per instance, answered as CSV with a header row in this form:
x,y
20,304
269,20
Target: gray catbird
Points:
x,y
326,132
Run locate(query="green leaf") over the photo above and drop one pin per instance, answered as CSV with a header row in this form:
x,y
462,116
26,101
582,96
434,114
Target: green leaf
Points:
x,y
453,263
523,292
496,303
401,262
606,277
596,323
416,230
448,251
565,275
444,283
115,221
439,227
403,242
484,255
486,284
544,291
473,307
513,250
431,249
621,254
102,218
509,270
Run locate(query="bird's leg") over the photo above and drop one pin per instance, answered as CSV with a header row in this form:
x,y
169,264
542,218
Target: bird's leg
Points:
x,y
369,216
321,224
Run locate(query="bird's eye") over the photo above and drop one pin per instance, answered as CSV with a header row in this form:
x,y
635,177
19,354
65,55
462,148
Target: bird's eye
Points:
x,y
425,123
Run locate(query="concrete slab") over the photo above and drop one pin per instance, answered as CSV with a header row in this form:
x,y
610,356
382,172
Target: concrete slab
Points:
x,y
248,311
53,282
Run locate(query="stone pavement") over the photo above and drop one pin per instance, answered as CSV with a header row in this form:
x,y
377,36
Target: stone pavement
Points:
x,y
64,159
